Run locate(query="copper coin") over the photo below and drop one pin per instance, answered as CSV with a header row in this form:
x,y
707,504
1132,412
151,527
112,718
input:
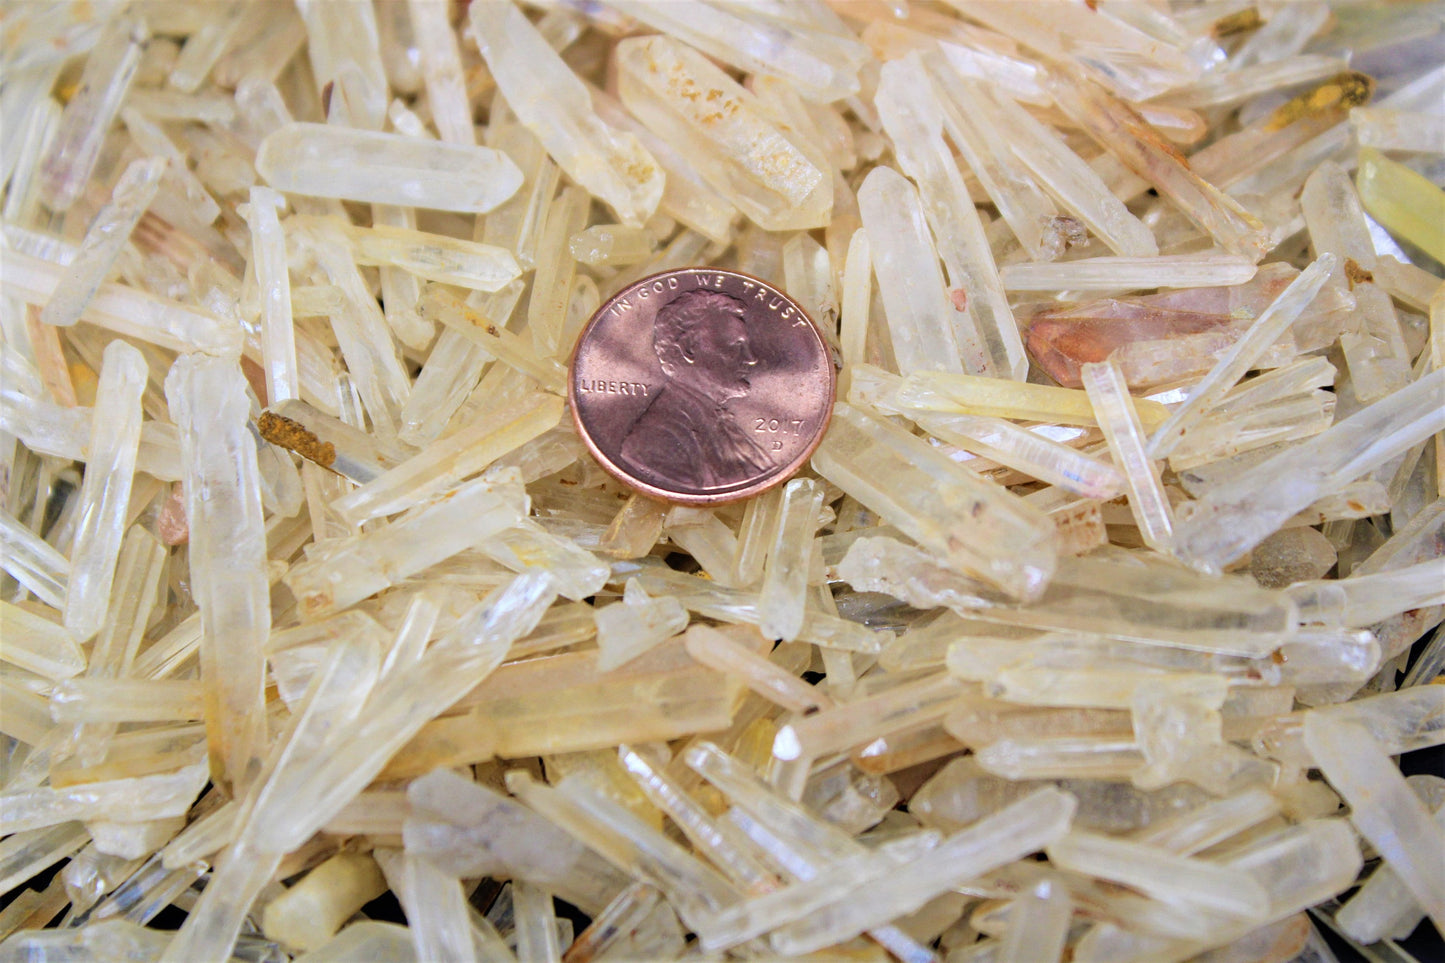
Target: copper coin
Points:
x,y
701,386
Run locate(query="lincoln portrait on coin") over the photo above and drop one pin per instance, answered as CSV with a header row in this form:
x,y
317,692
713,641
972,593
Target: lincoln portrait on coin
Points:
x,y
687,434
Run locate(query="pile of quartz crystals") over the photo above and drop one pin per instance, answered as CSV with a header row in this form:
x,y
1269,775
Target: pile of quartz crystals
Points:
x,y
1088,634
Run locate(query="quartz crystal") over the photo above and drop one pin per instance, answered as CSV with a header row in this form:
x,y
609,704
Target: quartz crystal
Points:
x,y
821,64
115,439
922,497
1383,808
103,241
1263,333
555,106
920,324
782,598
75,148
1234,517
328,161
349,571
227,553
636,624
1404,202
1115,412
721,128
983,327
1121,273
1122,132
1099,627
130,311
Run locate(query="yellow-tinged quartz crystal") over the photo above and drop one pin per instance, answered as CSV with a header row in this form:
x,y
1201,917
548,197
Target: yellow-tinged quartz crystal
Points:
x,y
1404,202
444,645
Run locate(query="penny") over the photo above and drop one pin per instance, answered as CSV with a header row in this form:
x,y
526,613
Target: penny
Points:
x,y
701,386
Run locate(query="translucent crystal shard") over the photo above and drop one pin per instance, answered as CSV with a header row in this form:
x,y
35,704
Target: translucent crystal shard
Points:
x,y
782,599
436,908
722,129
719,651
1405,202
38,644
1024,827
915,300
1116,273
706,538
1402,130
446,87
436,257
985,329
268,258
1367,599
1384,907
126,310
1022,401
686,196
77,142
446,461
1374,346
325,780
470,830
621,706
498,341
227,554
1139,64
1158,602
941,505
154,796
629,628
112,656
379,168
821,65
1070,180
844,726
107,234
1273,322
555,106
611,244
857,297
715,601
556,271
1038,924
1122,132
752,918
352,569
361,330
635,529
1030,452
1181,881
735,861
536,924
1236,515
1115,410
1382,807
115,440
580,808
